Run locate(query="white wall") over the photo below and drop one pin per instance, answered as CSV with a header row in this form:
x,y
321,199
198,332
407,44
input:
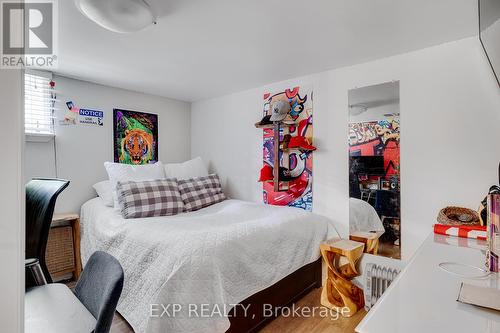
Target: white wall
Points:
x,y
450,134
82,149
11,202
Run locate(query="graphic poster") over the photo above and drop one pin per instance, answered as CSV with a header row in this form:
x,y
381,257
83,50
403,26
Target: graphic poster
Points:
x,y
135,137
296,192
75,115
91,117
377,138
71,114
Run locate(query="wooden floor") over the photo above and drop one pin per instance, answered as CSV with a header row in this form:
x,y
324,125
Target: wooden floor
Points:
x,y
315,324
389,250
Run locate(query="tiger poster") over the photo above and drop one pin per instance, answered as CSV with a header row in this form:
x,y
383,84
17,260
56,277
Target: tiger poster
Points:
x,y
135,137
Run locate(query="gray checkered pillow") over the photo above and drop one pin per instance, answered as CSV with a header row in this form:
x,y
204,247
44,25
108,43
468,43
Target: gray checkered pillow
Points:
x,y
201,192
149,198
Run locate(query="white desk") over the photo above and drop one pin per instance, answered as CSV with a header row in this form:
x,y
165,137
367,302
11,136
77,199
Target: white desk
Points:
x,y
423,297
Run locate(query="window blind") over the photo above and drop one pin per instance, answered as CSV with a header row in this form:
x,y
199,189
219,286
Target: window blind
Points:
x,y
38,105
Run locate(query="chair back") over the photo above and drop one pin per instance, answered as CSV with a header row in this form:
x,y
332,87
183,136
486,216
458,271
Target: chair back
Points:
x,y
41,195
99,288
387,203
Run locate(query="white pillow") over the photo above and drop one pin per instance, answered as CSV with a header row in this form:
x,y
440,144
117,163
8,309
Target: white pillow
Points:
x,y
105,192
189,169
126,172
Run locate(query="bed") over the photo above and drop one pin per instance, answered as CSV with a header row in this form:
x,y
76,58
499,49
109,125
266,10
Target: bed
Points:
x,y
219,258
363,217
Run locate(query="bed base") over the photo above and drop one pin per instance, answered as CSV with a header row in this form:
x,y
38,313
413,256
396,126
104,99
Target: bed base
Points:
x,y
282,293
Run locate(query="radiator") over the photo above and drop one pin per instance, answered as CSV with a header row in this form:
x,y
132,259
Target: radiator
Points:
x,y
378,279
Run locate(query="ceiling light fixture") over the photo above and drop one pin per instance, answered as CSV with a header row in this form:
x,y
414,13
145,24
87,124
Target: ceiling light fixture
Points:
x,y
121,16
357,109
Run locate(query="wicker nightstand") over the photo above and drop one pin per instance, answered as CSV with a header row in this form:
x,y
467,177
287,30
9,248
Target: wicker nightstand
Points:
x,y
63,247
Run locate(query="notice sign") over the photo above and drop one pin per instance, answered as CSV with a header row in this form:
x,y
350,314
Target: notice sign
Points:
x,y
91,117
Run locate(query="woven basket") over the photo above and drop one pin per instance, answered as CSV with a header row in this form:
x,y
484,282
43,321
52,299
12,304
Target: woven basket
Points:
x,y
458,216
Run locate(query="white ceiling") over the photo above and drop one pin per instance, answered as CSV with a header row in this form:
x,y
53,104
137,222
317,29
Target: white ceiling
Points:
x,y
206,48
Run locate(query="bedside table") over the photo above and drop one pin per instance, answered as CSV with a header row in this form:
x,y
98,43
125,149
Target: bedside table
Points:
x,y
63,247
370,239
339,293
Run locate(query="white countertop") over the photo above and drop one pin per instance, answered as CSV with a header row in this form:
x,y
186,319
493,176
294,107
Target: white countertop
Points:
x,y
423,297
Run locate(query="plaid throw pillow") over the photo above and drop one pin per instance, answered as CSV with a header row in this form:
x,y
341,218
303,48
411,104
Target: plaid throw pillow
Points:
x,y
201,192
149,198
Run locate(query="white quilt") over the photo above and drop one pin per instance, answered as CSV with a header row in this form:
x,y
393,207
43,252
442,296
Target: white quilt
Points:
x,y
363,217
218,255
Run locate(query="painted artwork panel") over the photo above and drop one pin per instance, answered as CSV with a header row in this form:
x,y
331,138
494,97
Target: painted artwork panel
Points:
x,y
377,138
135,137
298,192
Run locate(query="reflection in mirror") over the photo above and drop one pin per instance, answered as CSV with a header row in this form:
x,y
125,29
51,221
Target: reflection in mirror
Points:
x,y
374,169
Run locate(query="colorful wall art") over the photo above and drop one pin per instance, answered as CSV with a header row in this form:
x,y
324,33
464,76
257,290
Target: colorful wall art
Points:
x,y
377,138
297,190
75,115
71,114
135,137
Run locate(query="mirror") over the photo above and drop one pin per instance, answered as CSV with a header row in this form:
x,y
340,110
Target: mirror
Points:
x,y
374,169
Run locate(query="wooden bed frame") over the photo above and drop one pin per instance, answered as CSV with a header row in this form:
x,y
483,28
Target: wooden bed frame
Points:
x,y
282,293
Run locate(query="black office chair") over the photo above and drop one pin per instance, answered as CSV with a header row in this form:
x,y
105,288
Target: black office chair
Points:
x,y
99,288
387,205
41,196
54,308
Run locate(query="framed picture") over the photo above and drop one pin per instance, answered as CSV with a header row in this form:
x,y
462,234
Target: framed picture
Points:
x,y
135,137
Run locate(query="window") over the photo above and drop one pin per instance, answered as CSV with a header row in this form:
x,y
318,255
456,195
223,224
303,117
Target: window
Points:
x,y
38,104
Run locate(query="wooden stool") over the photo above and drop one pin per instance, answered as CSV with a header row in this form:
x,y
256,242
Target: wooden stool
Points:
x,y
339,292
370,239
